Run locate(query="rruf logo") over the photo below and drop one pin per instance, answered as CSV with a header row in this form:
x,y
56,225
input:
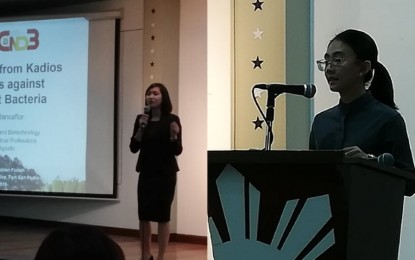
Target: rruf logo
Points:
x,y
30,41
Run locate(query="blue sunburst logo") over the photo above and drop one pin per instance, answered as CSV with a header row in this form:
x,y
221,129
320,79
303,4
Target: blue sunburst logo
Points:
x,y
302,230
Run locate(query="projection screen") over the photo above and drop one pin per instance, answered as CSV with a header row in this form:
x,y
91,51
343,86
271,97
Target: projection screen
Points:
x,y
58,106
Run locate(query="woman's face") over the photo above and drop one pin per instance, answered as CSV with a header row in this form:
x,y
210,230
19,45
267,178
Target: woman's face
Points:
x,y
154,97
343,71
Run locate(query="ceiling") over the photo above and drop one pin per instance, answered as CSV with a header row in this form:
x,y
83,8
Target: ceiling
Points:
x,y
18,7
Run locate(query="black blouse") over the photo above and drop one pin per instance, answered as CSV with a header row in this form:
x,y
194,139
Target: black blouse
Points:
x,y
367,123
157,151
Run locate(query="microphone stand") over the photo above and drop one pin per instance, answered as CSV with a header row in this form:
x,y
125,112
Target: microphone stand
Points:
x,y
272,94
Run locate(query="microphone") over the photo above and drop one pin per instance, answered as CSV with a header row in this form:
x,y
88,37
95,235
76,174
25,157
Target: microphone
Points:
x,y
384,158
146,112
306,90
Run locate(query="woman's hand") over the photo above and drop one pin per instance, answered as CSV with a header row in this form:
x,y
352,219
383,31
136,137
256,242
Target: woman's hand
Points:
x,y
143,120
355,152
174,130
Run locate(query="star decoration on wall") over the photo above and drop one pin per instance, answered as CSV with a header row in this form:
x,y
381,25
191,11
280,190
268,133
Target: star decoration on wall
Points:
x,y
258,34
258,92
258,5
153,33
257,63
258,123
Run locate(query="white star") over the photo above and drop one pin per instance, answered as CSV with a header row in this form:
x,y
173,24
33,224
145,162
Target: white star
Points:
x,y
258,34
258,92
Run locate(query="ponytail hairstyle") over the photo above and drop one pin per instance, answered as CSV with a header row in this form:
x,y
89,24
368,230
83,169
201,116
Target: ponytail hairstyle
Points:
x,y
365,49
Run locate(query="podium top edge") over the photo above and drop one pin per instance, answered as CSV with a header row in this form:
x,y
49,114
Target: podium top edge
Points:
x,y
332,157
307,157
277,156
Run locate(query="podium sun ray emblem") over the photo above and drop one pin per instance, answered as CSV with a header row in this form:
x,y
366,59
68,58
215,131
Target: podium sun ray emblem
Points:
x,y
303,229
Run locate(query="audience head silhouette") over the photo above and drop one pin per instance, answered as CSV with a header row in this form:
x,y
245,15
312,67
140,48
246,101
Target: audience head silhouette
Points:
x,y
80,243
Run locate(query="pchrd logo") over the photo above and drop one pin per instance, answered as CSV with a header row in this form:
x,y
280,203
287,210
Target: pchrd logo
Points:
x,y
27,42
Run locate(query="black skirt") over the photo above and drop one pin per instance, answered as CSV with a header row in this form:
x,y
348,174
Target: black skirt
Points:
x,y
155,193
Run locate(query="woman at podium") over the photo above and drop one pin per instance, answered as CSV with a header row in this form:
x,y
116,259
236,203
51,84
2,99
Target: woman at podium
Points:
x,y
365,122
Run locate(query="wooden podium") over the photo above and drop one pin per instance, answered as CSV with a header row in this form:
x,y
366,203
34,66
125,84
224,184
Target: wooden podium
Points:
x,y
304,205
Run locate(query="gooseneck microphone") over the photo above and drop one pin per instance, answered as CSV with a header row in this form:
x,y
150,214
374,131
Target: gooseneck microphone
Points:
x,y
274,89
306,90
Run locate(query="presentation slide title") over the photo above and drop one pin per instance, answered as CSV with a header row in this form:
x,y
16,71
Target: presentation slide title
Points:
x,y
43,100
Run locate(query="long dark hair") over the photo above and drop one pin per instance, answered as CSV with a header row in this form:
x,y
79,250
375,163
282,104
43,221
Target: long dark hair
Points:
x,y
166,105
365,48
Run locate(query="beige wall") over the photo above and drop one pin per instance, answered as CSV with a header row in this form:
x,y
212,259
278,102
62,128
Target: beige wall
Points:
x,y
161,45
269,48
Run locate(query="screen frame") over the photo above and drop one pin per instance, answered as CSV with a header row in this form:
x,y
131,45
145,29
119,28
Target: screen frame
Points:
x,y
116,16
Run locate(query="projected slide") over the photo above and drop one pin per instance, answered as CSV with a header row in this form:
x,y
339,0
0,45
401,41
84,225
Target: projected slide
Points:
x,y
43,101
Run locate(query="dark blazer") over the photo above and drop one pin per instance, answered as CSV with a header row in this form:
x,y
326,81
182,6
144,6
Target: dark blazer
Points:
x,y
157,151
367,123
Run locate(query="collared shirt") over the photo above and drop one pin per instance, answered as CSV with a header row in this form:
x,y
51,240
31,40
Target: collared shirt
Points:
x,y
367,123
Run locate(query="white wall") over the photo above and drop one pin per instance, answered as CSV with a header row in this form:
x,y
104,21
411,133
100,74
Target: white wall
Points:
x,y
391,24
219,74
191,187
330,17
192,178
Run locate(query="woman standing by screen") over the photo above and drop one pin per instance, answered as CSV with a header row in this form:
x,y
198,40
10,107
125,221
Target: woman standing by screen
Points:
x,y
157,135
